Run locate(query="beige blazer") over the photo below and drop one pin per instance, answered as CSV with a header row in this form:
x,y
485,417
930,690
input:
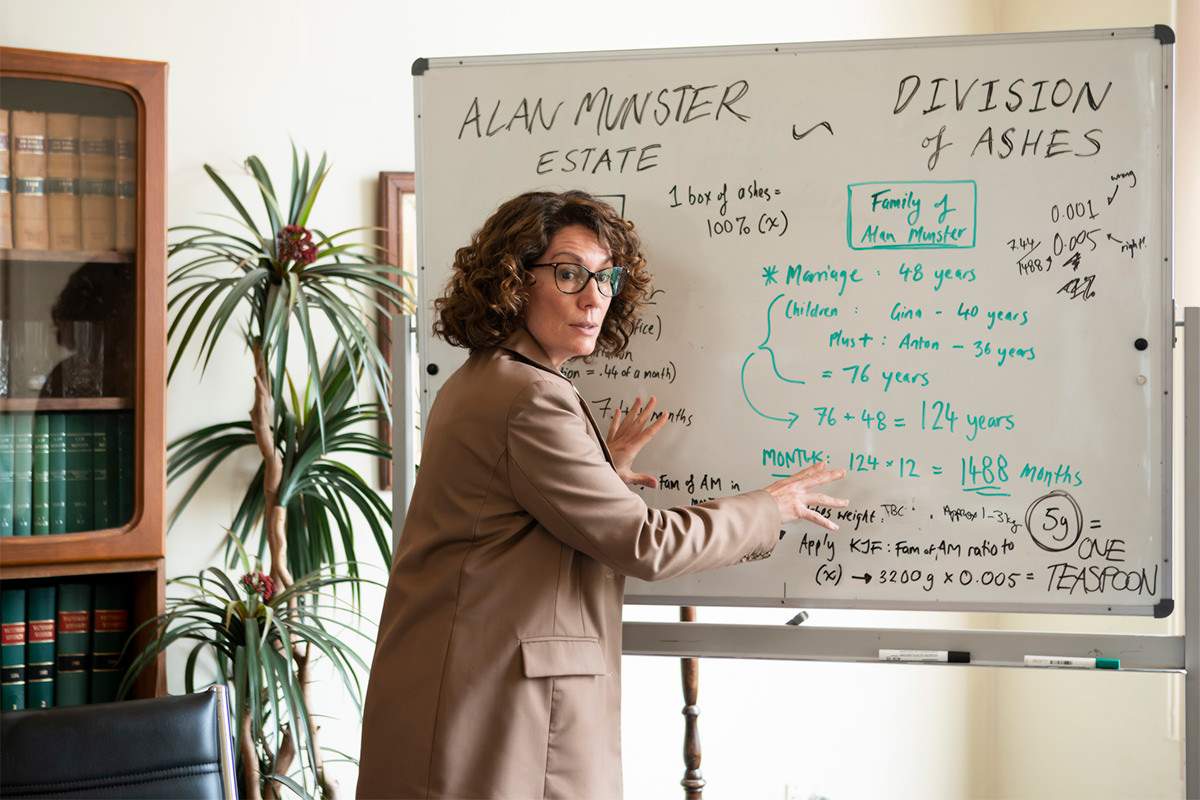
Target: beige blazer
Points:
x,y
497,667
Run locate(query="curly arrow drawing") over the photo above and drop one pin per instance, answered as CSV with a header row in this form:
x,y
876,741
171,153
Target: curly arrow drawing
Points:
x,y
791,418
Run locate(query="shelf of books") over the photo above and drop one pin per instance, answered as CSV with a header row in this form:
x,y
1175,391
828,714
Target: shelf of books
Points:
x,y
82,371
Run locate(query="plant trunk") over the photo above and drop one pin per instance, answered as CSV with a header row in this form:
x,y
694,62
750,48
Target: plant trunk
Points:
x,y
274,516
330,789
250,759
281,763
275,525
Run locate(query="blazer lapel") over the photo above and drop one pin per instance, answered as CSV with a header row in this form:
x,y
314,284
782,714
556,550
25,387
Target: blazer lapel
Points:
x,y
599,435
522,343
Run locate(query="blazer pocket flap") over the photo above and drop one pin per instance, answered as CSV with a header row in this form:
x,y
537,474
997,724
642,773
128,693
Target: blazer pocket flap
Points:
x,y
556,656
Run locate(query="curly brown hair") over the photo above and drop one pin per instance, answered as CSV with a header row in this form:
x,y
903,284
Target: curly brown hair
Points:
x,y
484,300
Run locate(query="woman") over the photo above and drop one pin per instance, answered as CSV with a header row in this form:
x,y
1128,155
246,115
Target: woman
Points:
x,y
497,668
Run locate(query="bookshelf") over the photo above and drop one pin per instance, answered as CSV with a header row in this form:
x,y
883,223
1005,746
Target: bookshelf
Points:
x,y
83,301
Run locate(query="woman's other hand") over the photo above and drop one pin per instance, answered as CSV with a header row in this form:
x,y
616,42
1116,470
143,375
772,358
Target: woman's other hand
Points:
x,y
628,434
795,496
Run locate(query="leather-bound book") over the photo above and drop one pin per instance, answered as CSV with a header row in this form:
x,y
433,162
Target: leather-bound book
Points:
x,y
12,649
111,605
58,473
22,524
78,494
31,223
62,175
72,643
98,183
7,435
6,230
40,486
39,647
126,202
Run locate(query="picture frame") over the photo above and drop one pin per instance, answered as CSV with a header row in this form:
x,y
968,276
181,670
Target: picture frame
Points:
x,y
397,238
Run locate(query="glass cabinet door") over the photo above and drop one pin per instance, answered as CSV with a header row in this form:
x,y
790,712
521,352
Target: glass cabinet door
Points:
x,y
69,312
82,357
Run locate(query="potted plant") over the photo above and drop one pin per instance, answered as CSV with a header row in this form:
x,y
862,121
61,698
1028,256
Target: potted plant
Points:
x,y
271,284
254,633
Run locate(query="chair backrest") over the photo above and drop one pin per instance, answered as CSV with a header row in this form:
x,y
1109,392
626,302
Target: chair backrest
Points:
x,y
163,747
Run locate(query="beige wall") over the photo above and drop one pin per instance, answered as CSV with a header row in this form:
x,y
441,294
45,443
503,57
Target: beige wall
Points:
x,y
335,75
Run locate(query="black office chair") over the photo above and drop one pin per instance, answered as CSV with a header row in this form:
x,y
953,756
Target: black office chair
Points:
x,y
164,747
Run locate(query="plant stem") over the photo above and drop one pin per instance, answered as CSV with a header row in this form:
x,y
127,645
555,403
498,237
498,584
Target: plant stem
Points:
x,y
275,522
330,789
250,759
275,516
281,764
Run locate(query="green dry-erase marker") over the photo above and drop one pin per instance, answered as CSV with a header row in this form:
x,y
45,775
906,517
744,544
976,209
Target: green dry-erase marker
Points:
x,y
1070,662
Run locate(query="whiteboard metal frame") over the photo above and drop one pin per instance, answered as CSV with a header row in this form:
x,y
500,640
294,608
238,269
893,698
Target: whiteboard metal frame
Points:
x,y
1164,34
988,648
1161,32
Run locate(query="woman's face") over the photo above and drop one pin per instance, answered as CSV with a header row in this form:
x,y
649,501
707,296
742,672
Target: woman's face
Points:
x,y
567,325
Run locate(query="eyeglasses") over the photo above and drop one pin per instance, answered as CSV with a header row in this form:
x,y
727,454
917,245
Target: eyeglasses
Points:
x,y
572,278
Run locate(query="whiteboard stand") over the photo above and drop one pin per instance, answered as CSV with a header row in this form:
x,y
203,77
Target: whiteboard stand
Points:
x,y
404,418
1191,545
989,648
493,122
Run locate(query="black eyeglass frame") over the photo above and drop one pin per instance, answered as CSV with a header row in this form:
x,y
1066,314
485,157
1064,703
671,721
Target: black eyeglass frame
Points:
x,y
615,283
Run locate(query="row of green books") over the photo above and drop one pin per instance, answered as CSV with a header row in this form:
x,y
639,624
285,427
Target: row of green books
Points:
x,y
63,643
65,472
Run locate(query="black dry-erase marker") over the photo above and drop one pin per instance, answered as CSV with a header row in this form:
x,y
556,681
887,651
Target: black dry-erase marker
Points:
x,y
946,656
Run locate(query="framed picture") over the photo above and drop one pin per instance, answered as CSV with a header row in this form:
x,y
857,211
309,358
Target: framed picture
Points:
x,y
397,236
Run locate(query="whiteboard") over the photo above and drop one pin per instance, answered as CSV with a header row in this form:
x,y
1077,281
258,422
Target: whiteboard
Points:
x,y
941,264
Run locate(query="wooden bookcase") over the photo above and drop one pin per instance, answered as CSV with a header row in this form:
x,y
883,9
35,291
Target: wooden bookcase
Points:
x,y
124,291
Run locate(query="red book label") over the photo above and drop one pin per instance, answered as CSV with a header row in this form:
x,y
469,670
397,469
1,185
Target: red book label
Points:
x,y
13,633
111,621
73,621
41,630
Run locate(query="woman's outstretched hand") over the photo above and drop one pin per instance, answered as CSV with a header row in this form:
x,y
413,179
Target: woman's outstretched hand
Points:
x,y
628,434
795,496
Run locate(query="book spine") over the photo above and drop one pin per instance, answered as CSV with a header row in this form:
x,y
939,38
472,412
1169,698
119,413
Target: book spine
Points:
x,y
126,173
31,223
110,619
39,651
22,474
58,473
6,475
103,434
41,475
98,183
12,649
6,224
126,464
62,180
71,642
80,515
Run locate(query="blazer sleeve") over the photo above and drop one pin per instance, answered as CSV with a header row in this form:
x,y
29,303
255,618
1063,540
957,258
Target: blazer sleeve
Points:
x,y
560,476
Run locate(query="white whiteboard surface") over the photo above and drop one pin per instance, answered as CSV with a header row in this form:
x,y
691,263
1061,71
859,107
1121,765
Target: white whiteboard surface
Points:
x,y
941,264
